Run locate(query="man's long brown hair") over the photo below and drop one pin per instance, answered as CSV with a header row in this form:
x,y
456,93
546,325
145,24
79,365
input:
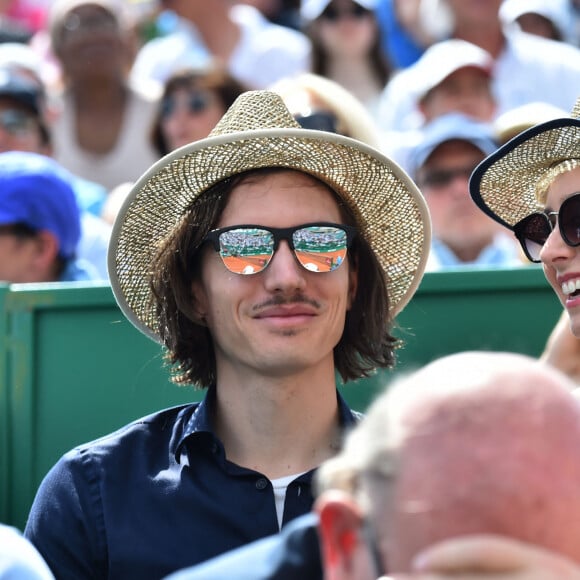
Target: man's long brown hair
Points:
x,y
366,343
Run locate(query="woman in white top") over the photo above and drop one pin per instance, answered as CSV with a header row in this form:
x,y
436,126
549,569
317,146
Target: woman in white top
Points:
x,y
346,46
102,130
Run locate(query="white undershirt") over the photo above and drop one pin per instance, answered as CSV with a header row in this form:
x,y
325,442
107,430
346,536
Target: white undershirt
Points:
x,y
280,486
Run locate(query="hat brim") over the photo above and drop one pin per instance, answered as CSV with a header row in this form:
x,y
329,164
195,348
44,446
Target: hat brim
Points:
x,y
503,185
389,209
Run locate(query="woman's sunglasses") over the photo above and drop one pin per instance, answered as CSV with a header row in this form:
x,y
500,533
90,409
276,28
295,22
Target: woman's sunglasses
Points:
x,y
533,231
196,102
333,14
248,249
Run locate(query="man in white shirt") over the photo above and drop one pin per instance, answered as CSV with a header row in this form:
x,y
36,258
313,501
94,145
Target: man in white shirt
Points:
x,y
450,149
526,67
255,51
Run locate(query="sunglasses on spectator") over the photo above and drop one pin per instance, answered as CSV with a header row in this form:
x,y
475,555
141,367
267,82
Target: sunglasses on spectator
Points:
x,y
98,22
333,14
248,249
533,231
196,102
320,121
440,178
16,122
18,230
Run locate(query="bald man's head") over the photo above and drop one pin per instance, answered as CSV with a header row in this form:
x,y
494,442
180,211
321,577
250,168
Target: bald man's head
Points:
x,y
486,443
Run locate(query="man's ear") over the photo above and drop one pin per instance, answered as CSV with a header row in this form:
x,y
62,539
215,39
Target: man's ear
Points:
x,y
199,303
340,522
352,285
45,255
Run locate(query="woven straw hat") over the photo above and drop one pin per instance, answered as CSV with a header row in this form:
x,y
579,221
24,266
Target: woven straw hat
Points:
x,y
503,185
258,131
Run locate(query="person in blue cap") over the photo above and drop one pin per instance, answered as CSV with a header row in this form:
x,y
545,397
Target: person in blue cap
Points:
x,y
442,161
39,221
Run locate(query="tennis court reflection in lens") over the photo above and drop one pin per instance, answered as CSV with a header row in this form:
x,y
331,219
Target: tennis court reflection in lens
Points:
x,y
249,250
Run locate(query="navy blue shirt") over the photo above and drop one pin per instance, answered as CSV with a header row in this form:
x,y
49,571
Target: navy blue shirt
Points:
x,y
293,554
154,497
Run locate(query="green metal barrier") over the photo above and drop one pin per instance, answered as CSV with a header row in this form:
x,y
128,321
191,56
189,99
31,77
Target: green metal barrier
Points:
x,y
4,415
76,369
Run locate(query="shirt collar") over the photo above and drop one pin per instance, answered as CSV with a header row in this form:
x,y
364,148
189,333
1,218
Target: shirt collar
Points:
x,y
197,419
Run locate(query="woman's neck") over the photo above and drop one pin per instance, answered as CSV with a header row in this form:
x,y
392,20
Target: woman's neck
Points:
x,y
357,76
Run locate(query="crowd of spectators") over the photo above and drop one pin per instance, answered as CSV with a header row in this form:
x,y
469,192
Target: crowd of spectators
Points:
x,y
121,83
95,92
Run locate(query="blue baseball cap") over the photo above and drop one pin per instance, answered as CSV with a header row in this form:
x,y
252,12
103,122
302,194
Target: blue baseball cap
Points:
x,y
36,191
451,127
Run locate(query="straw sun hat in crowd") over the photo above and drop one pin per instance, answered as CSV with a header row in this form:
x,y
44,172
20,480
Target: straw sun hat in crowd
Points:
x,y
504,185
259,131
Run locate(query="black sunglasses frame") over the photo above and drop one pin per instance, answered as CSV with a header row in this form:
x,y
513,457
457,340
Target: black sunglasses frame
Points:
x,y
279,234
549,219
442,178
332,14
197,102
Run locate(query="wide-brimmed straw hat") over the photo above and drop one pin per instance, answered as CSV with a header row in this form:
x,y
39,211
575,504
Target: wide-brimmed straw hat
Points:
x,y
259,131
504,184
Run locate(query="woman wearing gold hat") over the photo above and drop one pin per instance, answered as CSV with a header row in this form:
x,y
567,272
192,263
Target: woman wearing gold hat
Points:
x,y
531,185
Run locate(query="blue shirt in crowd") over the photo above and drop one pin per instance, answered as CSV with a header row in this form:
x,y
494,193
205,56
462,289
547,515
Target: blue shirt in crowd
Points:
x,y
294,554
154,497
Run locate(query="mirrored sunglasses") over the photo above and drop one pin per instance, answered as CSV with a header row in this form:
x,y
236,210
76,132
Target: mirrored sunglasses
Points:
x,y
333,14
196,102
16,122
248,249
320,121
533,231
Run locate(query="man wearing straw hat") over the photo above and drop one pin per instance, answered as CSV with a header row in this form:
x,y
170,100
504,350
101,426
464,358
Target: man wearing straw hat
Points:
x,y
265,258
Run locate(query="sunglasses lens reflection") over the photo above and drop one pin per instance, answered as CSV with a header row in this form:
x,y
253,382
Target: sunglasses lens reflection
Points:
x,y
534,231
320,248
249,250
569,219
246,250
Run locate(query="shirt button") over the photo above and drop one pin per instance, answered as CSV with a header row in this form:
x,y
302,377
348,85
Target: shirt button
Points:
x,y
262,483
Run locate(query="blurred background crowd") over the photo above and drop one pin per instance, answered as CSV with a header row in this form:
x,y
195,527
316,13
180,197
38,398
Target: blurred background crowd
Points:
x,y
107,87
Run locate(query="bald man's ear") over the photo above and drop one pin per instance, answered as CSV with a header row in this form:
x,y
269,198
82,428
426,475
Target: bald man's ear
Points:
x,y
340,524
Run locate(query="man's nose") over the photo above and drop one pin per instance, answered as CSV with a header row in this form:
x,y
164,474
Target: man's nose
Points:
x,y
284,273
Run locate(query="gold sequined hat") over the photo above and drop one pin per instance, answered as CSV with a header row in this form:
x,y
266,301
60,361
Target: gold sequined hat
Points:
x,y
504,184
259,131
